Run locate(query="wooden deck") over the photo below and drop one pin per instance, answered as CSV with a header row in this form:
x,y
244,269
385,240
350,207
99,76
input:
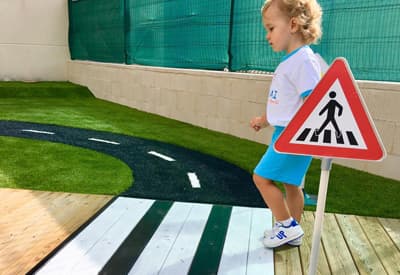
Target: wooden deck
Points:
x,y
350,245
34,223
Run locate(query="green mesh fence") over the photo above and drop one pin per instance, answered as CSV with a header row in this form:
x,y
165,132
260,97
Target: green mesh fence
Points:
x,y
249,49
366,33
215,34
178,33
96,30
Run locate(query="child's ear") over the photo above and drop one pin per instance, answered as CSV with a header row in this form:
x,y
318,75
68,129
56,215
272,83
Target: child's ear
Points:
x,y
294,27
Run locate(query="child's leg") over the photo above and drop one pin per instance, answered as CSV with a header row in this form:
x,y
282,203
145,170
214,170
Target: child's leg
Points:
x,y
273,197
294,200
287,230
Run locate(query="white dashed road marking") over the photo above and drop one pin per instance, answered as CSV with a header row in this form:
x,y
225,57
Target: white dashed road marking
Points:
x,y
38,132
194,180
104,141
167,158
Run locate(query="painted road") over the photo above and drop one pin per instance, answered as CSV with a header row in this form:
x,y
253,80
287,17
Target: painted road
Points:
x,y
160,170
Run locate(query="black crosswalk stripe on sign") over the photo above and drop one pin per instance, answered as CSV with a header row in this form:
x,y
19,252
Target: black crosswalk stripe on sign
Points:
x,y
327,137
143,236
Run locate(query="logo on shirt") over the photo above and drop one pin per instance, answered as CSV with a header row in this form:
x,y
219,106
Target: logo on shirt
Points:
x,y
273,97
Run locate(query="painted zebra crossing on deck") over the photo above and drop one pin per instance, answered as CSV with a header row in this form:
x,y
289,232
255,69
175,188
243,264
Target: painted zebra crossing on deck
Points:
x,y
142,236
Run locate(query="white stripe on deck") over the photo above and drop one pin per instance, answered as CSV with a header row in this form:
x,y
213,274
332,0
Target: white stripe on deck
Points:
x,y
37,131
194,180
89,251
244,252
173,245
164,157
260,260
104,141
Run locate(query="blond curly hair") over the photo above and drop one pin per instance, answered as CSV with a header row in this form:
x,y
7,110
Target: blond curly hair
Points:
x,y
308,15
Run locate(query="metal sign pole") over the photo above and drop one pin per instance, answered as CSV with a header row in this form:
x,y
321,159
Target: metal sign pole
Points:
x,y
319,217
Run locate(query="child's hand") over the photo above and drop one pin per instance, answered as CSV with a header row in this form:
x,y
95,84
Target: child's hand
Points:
x,y
258,122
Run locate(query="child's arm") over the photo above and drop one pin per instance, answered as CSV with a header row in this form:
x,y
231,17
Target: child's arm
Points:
x,y
259,122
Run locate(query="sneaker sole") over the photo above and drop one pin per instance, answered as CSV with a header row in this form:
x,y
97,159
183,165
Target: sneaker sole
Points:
x,y
294,243
283,242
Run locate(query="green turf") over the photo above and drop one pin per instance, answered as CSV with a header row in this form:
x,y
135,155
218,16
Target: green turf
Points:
x,y
14,89
40,165
350,191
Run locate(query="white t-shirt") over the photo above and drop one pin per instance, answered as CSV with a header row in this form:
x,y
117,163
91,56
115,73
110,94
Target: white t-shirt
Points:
x,y
294,78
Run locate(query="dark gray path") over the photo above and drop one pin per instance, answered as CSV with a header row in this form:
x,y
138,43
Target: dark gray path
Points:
x,y
154,177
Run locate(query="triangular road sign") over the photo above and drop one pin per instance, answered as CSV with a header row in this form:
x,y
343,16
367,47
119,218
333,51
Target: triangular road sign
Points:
x,y
333,122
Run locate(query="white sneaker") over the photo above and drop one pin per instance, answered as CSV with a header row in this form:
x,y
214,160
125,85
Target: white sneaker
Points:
x,y
280,234
269,232
296,242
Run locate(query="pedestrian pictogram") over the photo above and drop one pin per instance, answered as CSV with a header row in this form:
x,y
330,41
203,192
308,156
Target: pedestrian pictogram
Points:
x,y
329,132
333,122
330,118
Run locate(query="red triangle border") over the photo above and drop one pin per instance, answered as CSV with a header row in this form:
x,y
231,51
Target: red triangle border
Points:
x,y
341,71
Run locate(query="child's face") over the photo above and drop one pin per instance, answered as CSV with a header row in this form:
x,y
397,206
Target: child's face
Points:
x,y
279,29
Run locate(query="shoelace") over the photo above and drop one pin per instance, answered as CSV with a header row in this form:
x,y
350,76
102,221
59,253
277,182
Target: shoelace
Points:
x,y
275,228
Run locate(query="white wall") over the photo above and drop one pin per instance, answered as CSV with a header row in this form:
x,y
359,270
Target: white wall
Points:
x,y
33,40
225,102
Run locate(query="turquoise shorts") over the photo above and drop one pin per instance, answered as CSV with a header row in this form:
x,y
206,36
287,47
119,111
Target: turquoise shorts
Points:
x,y
285,168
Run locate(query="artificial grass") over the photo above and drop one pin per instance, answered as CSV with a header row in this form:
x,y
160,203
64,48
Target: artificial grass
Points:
x,y
350,191
15,89
40,165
